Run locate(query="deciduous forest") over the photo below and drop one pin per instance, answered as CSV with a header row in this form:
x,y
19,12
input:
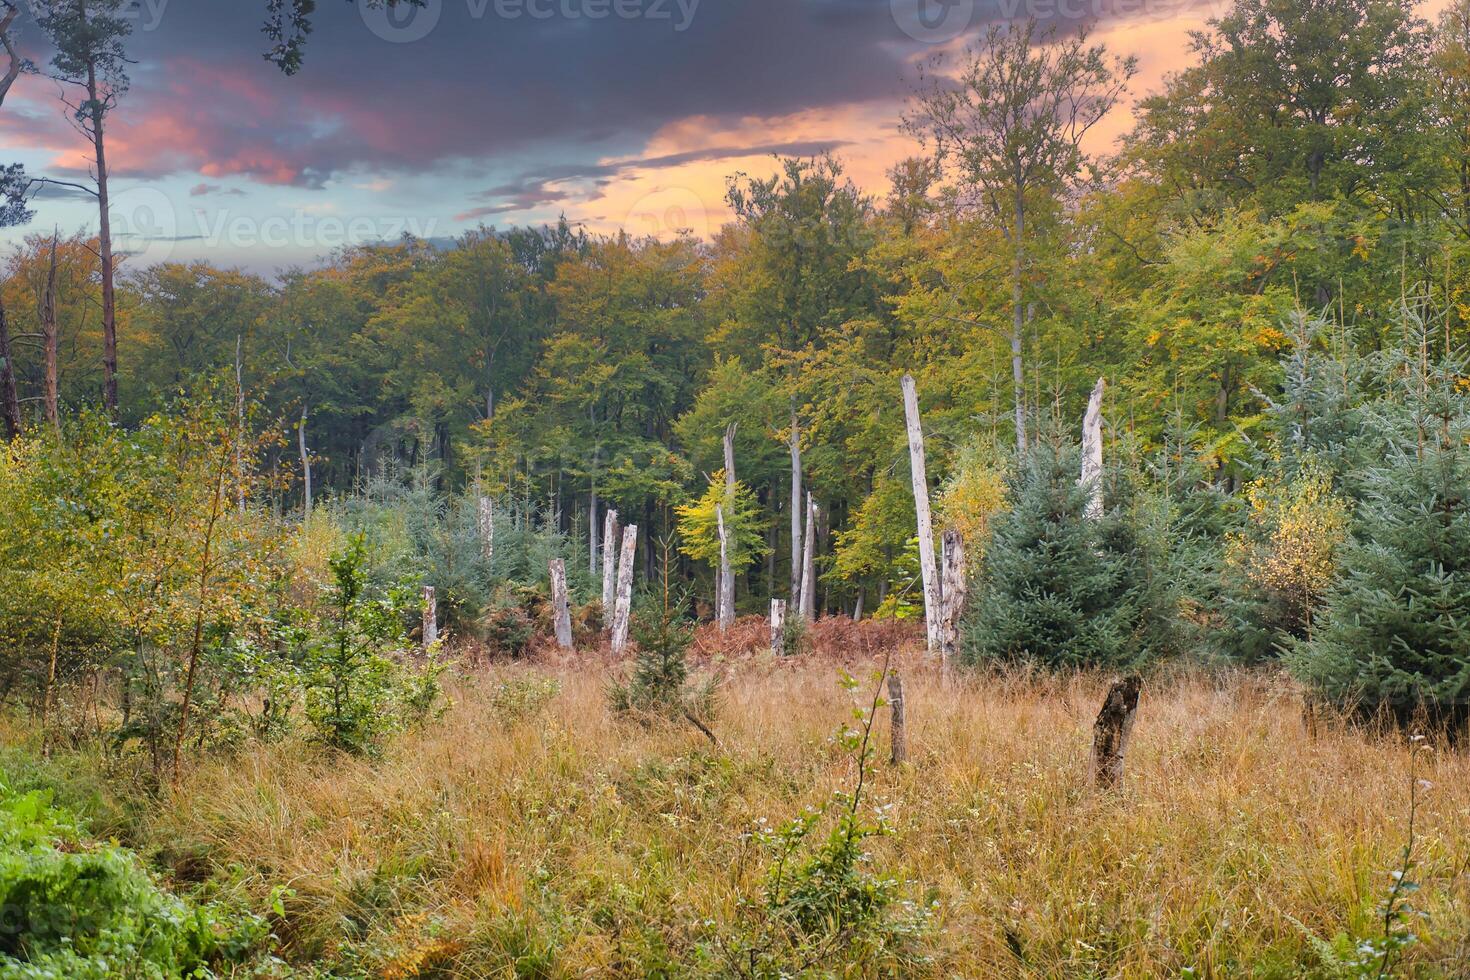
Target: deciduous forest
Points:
x,y
1055,564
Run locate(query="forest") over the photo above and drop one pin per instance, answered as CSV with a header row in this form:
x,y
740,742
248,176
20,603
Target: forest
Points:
x,y
545,603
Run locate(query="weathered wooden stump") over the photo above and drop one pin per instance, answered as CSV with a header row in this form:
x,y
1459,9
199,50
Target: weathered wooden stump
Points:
x,y
778,626
1111,730
899,734
431,618
560,604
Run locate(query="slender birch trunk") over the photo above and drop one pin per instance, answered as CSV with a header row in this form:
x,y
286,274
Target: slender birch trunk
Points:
x,y
623,606
809,563
431,618
778,626
1092,453
51,343
1018,314
927,569
953,591
609,565
560,604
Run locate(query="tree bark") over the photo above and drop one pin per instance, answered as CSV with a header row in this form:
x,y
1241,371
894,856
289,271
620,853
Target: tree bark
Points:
x,y
305,464
51,343
609,565
778,626
9,397
1092,453
927,569
808,605
796,510
431,618
953,591
1111,730
726,598
724,612
560,605
898,736
623,605
485,522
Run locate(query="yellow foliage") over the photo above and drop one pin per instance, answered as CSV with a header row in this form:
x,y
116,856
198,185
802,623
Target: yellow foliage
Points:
x,y
1290,545
973,495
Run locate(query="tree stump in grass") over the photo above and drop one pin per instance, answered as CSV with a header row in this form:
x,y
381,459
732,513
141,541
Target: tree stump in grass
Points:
x,y
1110,732
559,603
899,735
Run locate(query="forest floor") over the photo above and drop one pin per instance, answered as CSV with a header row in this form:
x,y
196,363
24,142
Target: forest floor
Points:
x,y
529,831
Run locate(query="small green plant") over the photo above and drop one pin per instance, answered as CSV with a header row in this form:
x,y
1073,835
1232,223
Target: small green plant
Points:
x,y
828,909
508,631
521,697
795,636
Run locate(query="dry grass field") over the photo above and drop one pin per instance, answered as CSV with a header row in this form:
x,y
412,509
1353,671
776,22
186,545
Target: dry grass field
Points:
x,y
529,832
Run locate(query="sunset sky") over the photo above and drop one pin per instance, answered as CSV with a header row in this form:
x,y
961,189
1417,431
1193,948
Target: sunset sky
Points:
x,y
615,112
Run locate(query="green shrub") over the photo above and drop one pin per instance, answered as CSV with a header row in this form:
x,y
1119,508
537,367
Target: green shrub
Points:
x,y
1064,591
76,909
508,631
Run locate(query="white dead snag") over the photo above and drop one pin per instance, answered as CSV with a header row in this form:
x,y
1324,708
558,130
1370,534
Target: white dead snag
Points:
x,y
485,523
927,568
898,736
623,604
778,626
725,613
609,564
1111,730
559,603
305,464
431,618
808,605
1092,453
725,598
796,509
952,595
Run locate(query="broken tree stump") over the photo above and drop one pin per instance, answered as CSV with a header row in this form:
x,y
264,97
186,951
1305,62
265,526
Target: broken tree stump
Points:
x,y
953,592
778,626
623,604
559,603
898,735
431,618
609,566
1111,730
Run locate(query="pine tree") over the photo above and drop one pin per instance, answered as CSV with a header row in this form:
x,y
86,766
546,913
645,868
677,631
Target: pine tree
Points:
x,y
1395,631
1062,591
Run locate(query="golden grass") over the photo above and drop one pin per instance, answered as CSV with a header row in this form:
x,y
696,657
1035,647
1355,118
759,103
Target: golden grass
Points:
x,y
575,844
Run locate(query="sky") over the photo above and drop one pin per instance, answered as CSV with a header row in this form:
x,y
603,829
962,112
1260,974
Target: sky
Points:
x,y
617,113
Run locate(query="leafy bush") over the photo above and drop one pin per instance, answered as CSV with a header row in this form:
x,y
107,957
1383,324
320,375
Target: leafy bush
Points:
x,y
1064,591
507,631
76,909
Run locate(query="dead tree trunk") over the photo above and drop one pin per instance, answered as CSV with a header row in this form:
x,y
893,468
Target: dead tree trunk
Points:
x,y
927,569
796,510
725,600
778,626
485,523
952,595
1110,732
559,603
623,604
431,618
724,613
809,563
305,464
1092,453
609,565
9,397
899,735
